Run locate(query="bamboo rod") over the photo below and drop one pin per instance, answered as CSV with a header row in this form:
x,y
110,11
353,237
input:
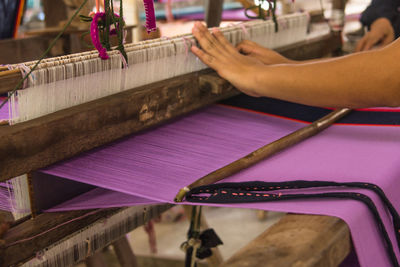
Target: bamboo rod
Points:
x,y
5,73
265,151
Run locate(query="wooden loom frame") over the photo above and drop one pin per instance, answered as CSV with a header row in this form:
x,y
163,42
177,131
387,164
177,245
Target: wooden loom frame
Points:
x,y
105,120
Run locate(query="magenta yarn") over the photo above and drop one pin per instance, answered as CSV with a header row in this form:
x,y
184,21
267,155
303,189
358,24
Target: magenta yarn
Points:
x,y
94,34
150,15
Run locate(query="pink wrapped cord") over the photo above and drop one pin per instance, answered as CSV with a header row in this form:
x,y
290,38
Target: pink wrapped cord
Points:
x,y
150,15
94,33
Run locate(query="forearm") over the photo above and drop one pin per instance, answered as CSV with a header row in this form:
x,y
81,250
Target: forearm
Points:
x,y
355,81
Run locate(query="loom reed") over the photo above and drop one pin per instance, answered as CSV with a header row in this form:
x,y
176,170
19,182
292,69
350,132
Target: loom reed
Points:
x,y
265,151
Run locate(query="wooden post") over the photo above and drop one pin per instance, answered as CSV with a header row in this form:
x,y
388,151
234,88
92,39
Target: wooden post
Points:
x,y
124,253
213,9
96,260
339,4
216,258
337,22
55,11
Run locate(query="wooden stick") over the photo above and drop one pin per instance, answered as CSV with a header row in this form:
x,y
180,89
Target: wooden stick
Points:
x,y
5,73
266,151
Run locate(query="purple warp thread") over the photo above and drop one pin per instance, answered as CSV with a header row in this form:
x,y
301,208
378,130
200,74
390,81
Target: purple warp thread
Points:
x,y
4,110
199,143
150,15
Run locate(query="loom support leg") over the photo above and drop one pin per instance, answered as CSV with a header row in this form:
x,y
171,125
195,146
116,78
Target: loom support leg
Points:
x,y
213,9
216,258
96,260
124,253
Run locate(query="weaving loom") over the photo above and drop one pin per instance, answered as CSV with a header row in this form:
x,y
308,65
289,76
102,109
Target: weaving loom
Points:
x,y
108,78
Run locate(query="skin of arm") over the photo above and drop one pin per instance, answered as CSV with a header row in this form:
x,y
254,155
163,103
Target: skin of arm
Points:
x,y
381,34
366,79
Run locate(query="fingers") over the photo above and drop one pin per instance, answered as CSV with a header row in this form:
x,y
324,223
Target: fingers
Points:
x,y
206,58
207,42
222,40
246,47
361,44
387,40
368,42
371,42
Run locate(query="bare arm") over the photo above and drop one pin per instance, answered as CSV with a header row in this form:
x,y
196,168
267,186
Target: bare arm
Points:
x,y
360,80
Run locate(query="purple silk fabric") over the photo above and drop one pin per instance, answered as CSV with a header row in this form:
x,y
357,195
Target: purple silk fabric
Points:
x,y
156,164
107,198
3,110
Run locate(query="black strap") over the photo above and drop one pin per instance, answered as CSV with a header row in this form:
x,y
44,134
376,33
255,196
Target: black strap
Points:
x,y
257,192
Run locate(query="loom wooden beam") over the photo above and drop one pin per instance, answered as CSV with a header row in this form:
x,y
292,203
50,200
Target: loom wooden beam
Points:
x,y
43,223
97,260
313,48
40,142
213,14
297,240
124,252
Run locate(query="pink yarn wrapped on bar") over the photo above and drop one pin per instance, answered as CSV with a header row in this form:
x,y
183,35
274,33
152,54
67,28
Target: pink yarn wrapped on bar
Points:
x,y
150,15
94,33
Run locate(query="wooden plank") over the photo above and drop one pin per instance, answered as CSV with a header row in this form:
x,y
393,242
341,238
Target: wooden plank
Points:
x,y
297,240
318,47
164,261
12,254
40,142
213,14
124,253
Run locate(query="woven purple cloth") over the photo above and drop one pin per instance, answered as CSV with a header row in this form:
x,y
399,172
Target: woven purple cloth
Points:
x,y
3,110
155,164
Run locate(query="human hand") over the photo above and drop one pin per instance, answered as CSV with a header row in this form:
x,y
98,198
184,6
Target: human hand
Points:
x,y
265,55
220,55
381,34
